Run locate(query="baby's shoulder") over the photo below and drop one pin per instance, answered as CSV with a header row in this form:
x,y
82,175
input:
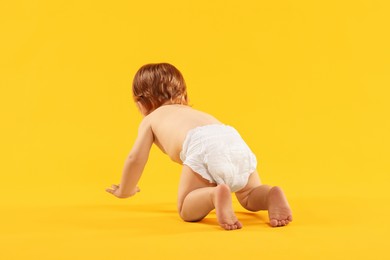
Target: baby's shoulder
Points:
x,y
145,124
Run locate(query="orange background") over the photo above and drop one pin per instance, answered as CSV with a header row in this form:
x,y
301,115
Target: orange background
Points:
x,y
305,82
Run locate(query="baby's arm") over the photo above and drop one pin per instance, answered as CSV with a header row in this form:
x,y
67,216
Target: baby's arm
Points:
x,y
135,162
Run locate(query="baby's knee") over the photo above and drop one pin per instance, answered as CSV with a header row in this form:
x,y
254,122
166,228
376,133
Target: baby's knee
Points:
x,y
180,211
188,218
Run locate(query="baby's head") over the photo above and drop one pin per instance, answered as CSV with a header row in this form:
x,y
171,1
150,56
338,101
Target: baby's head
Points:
x,y
158,84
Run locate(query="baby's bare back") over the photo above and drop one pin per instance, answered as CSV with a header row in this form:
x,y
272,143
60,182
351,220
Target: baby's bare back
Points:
x,y
171,123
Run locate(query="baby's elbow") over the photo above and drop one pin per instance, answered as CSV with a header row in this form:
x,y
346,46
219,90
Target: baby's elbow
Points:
x,y
131,157
134,159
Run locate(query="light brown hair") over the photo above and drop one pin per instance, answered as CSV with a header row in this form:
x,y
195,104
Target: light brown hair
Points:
x,y
158,84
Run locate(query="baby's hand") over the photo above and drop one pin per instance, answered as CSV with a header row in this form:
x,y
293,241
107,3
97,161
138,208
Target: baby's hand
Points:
x,y
116,191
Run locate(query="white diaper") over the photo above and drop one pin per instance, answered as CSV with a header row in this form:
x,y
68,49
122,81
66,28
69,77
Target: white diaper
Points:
x,y
219,155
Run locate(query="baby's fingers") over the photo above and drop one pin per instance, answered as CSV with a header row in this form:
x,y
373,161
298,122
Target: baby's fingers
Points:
x,y
110,191
113,189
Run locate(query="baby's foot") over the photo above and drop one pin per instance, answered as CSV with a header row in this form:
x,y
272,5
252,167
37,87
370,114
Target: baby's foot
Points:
x,y
279,211
223,205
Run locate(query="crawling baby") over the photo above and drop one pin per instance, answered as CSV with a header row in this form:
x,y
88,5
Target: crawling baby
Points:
x,y
216,160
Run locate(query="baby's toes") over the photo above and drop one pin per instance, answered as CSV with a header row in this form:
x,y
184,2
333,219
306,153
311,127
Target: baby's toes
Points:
x,y
226,226
239,225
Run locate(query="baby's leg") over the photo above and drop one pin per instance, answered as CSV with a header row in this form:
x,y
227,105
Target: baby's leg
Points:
x,y
197,197
255,196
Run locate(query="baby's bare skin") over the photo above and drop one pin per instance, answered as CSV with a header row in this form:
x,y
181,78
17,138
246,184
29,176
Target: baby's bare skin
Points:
x,y
170,125
167,127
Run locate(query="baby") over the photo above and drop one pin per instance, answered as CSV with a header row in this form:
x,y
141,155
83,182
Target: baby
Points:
x,y
216,160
